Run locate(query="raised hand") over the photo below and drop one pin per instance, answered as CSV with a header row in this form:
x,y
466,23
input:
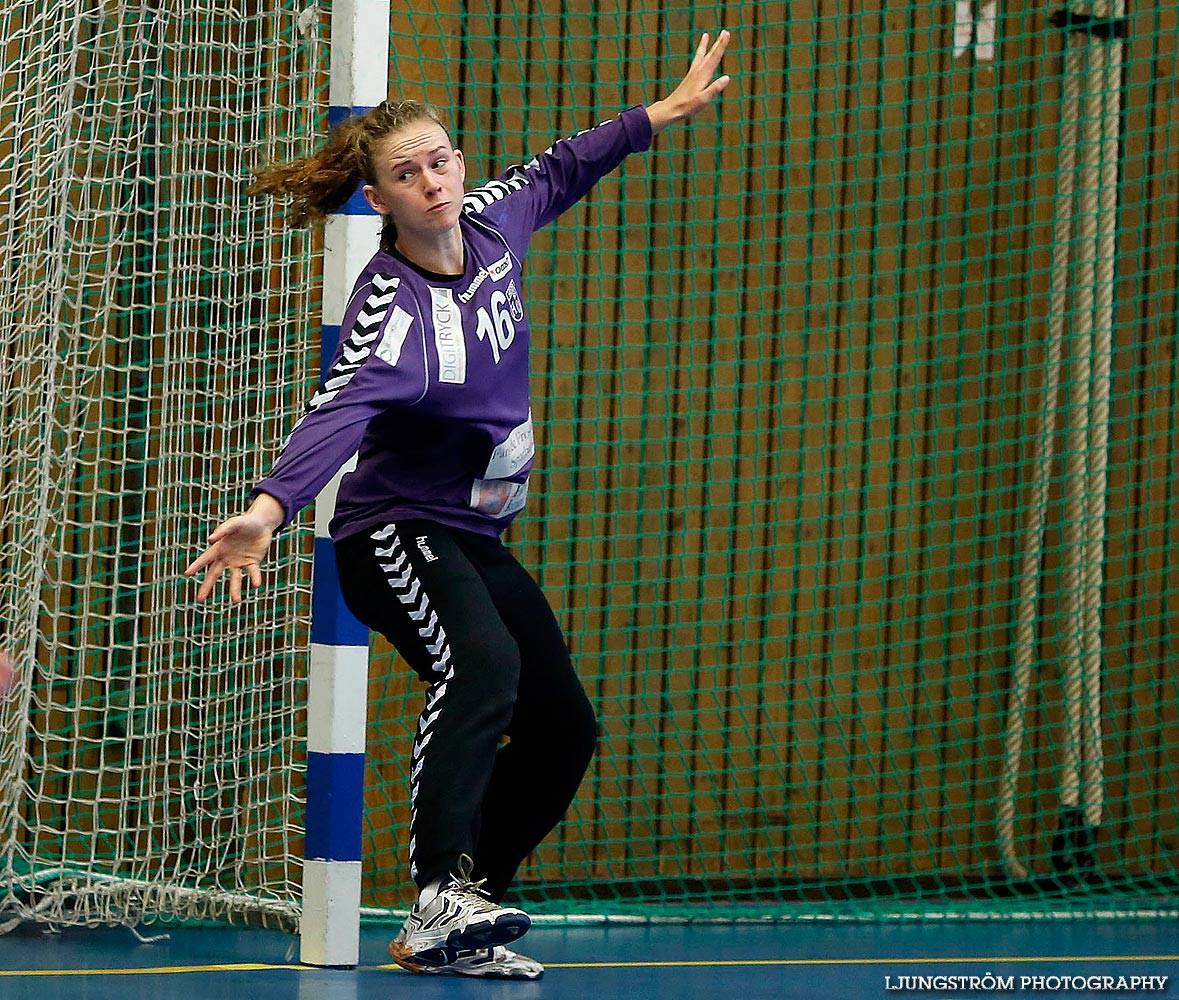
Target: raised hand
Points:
x,y
698,87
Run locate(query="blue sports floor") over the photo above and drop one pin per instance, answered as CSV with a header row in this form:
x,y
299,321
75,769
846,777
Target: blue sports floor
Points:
x,y
656,962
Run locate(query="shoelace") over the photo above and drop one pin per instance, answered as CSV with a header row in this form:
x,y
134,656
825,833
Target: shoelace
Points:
x,y
462,882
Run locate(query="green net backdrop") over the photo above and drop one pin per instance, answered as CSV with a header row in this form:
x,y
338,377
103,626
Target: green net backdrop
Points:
x,y
791,402
857,435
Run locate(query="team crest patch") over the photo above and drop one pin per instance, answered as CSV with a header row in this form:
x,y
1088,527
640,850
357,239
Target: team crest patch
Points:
x,y
515,306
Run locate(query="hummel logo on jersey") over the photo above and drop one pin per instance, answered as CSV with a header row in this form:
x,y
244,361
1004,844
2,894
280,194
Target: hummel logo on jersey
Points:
x,y
368,320
496,271
424,545
354,351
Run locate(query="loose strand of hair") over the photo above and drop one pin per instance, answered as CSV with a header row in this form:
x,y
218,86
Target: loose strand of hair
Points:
x,y
320,183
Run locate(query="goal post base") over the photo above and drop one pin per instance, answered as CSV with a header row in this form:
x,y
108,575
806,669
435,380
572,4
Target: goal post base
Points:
x,y
329,930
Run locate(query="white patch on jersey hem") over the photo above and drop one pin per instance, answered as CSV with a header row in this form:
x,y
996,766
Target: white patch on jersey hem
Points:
x,y
513,453
497,497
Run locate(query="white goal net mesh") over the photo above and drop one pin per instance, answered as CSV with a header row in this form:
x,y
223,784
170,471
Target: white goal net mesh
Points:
x,y
159,328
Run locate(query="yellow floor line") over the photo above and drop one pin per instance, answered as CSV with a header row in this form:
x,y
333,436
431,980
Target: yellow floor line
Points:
x,y
698,963
152,971
894,960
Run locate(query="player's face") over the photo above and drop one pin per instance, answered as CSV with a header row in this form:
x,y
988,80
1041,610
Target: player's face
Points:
x,y
419,179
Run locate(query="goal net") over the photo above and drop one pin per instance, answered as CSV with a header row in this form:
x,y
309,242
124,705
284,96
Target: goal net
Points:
x,y
158,333
857,444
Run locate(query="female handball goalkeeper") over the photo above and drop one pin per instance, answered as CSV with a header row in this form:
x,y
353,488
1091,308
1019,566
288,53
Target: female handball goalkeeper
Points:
x,y
430,386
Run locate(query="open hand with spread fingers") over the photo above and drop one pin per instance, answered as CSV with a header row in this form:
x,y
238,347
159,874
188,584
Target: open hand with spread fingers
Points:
x,y
239,546
697,89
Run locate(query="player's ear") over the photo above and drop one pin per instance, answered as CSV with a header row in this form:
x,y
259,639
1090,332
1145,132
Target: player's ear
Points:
x,y
458,155
373,197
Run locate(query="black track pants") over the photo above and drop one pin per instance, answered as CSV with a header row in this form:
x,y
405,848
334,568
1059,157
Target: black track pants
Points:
x,y
474,625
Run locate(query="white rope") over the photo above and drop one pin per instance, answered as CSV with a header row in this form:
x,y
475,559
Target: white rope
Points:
x,y
1109,83
1075,598
1089,432
1086,477
1029,580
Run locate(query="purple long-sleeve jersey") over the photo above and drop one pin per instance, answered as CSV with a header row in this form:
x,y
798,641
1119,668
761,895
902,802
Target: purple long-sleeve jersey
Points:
x,y
430,381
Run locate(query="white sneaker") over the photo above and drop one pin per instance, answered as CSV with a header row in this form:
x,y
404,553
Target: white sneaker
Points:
x,y
487,963
459,919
